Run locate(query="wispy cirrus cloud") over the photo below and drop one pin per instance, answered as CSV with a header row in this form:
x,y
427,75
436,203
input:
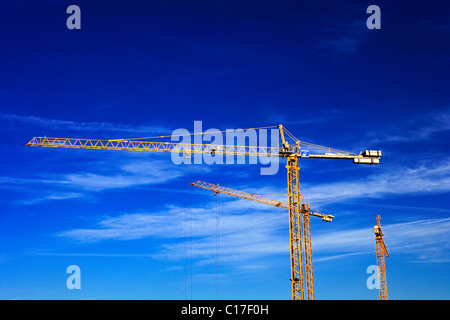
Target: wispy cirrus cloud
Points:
x,y
119,174
51,197
425,239
427,177
130,174
418,129
57,124
251,230
431,176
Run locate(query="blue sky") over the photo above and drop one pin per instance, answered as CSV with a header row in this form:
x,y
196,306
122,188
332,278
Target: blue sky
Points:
x,y
140,68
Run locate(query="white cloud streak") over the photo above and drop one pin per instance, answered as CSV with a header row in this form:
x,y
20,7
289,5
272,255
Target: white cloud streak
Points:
x,y
50,197
135,173
422,128
430,177
130,174
56,124
251,231
426,239
427,177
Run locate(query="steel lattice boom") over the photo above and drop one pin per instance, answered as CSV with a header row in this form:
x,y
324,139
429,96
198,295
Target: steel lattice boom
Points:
x,y
257,198
366,157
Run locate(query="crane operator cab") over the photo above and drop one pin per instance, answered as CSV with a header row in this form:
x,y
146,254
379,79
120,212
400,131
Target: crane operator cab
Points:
x,y
377,231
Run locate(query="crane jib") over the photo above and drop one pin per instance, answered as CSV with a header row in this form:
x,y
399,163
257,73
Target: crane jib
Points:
x,y
366,157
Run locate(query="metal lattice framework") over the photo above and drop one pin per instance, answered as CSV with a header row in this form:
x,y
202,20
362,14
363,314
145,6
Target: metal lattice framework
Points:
x,y
308,251
306,211
381,253
258,198
292,152
295,228
152,146
190,148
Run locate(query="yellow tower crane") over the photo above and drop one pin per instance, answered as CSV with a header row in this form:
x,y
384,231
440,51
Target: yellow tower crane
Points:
x,y
381,253
291,152
306,210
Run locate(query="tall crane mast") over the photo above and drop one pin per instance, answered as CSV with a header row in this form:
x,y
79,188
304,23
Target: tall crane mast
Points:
x,y
306,211
381,253
292,153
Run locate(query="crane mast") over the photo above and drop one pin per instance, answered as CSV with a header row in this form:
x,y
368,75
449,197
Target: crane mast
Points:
x,y
381,253
308,251
295,228
292,152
